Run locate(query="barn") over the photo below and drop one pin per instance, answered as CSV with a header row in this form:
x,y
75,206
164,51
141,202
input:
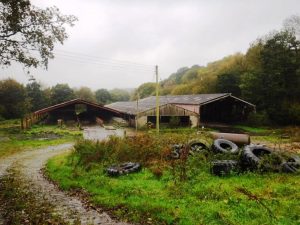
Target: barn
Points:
x,y
77,110
189,110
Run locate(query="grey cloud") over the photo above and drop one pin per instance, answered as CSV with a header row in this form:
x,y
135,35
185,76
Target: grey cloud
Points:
x,y
169,33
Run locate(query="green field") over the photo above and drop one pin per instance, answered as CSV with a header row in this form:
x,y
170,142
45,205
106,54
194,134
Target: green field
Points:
x,y
158,195
14,140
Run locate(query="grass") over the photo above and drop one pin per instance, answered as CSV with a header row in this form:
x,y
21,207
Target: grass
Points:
x,y
201,198
20,205
13,139
255,130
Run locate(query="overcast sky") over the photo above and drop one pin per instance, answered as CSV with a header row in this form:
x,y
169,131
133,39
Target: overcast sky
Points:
x,y
116,43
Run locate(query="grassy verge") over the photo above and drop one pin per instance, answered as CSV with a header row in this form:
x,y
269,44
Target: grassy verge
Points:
x,y
256,130
13,139
157,195
21,206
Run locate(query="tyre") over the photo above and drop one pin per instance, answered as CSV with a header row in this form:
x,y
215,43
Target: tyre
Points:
x,y
176,151
124,168
224,167
294,159
224,146
197,147
252,156
290,167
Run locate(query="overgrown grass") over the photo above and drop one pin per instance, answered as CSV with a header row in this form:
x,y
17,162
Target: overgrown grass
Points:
x,y
20,205
13,139
158,195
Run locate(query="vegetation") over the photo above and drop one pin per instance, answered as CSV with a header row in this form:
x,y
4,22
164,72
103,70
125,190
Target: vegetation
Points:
x,y
85,93
13,139
28,34
12,99
175,191
17,100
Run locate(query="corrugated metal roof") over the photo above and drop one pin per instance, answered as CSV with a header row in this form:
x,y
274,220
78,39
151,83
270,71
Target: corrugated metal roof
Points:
x,y
150,102
183,99
75,101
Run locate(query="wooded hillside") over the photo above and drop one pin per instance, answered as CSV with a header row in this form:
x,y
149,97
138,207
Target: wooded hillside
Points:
x,y
267,75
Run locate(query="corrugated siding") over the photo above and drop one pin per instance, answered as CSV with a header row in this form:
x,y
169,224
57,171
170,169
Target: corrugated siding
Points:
x,y
168,110
193,108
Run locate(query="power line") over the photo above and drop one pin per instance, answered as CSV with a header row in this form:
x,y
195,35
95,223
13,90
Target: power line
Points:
x,y
82,55
107,65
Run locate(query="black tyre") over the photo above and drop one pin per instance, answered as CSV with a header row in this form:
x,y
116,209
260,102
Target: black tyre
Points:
x,y
290,167
224,167
294,159
197,147
225,146
176,151
253,154
124,168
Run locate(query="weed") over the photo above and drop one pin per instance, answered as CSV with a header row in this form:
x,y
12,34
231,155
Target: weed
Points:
x,y
180,191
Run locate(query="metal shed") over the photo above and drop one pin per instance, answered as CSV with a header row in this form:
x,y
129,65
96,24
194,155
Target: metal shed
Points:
x,y
76,110
190,109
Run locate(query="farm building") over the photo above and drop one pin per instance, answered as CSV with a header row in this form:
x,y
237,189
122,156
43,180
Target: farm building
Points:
x,y
189,110
76,110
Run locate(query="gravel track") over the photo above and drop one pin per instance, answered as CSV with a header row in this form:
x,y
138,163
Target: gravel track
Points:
x,y
30,163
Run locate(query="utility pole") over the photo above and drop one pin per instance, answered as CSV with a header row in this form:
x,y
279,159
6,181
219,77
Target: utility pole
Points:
x,y
137,112
157,100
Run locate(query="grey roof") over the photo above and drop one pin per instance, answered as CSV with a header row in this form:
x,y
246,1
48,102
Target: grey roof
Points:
x,y
184,99
150,102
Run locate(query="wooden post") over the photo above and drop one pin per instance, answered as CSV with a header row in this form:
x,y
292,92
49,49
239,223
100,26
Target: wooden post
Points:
x,y
157,100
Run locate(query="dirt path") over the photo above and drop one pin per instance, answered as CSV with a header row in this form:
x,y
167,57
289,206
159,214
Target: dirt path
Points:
x,y
71,208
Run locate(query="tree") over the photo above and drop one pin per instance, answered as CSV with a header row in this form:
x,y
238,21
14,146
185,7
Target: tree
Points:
x,y
292,24
12,99
85,93
28,33
273,79
144,90
103,96
228,83
61,93
36,96
281,75
119,95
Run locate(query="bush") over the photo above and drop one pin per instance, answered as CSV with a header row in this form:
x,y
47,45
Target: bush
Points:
x,y
258,119
294,113
147,149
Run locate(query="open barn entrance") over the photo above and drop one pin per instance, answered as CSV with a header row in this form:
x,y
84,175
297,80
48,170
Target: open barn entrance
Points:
x,y
169,121
227,110
77,111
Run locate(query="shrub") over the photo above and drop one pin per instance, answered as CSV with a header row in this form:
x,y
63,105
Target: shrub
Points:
x,y
258,119
157,171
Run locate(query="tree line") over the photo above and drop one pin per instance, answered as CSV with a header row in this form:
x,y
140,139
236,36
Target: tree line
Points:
x,y
17,99
267,75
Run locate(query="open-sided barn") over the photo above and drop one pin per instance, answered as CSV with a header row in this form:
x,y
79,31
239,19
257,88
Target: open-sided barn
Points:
x,y
189,109
77,110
